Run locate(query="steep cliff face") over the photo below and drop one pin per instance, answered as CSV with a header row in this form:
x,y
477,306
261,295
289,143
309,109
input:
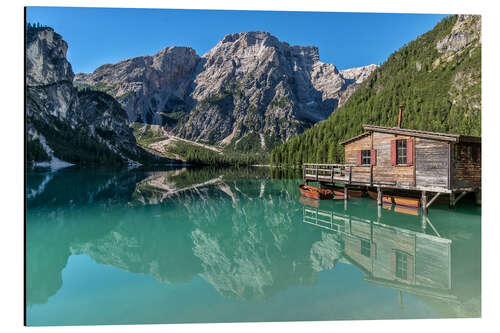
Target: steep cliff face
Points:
x,y
250,86
64,125
149,88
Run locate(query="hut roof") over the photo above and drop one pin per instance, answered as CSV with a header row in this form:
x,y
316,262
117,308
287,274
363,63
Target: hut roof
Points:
x,y
415,133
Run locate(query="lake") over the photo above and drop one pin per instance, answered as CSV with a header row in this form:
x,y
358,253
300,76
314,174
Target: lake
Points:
x,y
237,245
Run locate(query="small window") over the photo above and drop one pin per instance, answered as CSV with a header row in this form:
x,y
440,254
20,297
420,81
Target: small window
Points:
x,y
401,152
401,266
365,157
366,248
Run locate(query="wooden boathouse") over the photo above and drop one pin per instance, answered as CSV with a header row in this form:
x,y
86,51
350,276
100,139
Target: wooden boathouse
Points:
x,y
393,158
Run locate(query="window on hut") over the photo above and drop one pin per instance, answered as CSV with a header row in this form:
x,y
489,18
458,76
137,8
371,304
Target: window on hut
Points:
x,y
365,248
401,266
401,151
365,157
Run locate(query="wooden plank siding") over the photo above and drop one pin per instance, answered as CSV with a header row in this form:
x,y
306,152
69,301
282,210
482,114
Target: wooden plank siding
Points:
x,y
352,149
431,161
466,171
384,171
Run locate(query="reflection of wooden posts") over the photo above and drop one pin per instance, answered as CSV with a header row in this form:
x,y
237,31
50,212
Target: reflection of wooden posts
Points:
x,y
452,199
424,202
400,296
379,196
424,223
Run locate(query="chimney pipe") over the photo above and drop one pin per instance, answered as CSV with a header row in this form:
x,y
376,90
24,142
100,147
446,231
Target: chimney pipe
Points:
x,y
400,117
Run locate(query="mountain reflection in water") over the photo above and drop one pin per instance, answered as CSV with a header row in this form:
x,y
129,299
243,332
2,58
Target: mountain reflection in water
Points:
x,y
247,234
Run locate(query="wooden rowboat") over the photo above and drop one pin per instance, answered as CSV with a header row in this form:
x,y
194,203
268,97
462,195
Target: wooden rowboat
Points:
x,y
400,201
315,192
407,202
352,193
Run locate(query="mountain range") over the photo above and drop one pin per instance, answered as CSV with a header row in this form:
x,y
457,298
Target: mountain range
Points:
x,y
249,90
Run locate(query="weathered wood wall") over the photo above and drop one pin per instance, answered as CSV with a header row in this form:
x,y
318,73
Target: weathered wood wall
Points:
x,y
352,148
431,163
383,171
466,167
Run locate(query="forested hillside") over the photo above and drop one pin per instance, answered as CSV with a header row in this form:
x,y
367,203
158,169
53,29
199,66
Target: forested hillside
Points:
x,y
437,78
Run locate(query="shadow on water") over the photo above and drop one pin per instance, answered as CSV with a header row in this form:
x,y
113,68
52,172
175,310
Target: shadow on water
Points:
x,y
246,232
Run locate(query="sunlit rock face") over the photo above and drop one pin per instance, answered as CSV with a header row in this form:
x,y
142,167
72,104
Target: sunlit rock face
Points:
x,y
76,126
149,86
249,85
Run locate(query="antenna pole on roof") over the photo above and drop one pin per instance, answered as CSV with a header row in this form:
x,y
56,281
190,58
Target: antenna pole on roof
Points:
x,y
400,117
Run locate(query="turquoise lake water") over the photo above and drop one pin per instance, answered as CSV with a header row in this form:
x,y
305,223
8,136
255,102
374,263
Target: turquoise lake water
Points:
x,y
227,245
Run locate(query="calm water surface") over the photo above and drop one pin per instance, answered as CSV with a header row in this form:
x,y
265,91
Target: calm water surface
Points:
x,y
186,246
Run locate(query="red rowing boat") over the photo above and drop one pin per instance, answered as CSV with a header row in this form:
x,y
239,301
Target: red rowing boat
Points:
x,y
400,201
315,192
352,193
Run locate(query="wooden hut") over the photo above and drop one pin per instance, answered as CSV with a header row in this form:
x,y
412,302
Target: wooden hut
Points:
x,y
397,158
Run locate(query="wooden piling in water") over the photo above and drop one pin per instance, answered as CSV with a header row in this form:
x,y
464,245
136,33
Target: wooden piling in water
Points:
x,y
424,202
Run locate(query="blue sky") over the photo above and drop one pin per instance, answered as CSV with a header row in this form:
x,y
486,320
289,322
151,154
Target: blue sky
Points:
x,y
107,35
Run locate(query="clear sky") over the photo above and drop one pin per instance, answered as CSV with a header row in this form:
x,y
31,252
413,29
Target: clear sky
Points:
x,y
107,35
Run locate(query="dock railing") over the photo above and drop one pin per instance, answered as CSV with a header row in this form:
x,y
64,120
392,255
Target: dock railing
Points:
x,y
328,172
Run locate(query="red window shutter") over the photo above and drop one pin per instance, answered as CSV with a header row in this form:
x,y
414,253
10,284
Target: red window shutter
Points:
x,y
373,157
393,152
358,159
409,151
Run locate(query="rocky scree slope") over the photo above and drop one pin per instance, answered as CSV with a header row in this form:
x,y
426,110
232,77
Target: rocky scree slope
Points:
x,y
65,125
250,88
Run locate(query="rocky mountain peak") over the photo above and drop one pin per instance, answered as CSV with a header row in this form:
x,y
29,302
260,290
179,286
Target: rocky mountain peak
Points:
x,y
46,58
467,29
